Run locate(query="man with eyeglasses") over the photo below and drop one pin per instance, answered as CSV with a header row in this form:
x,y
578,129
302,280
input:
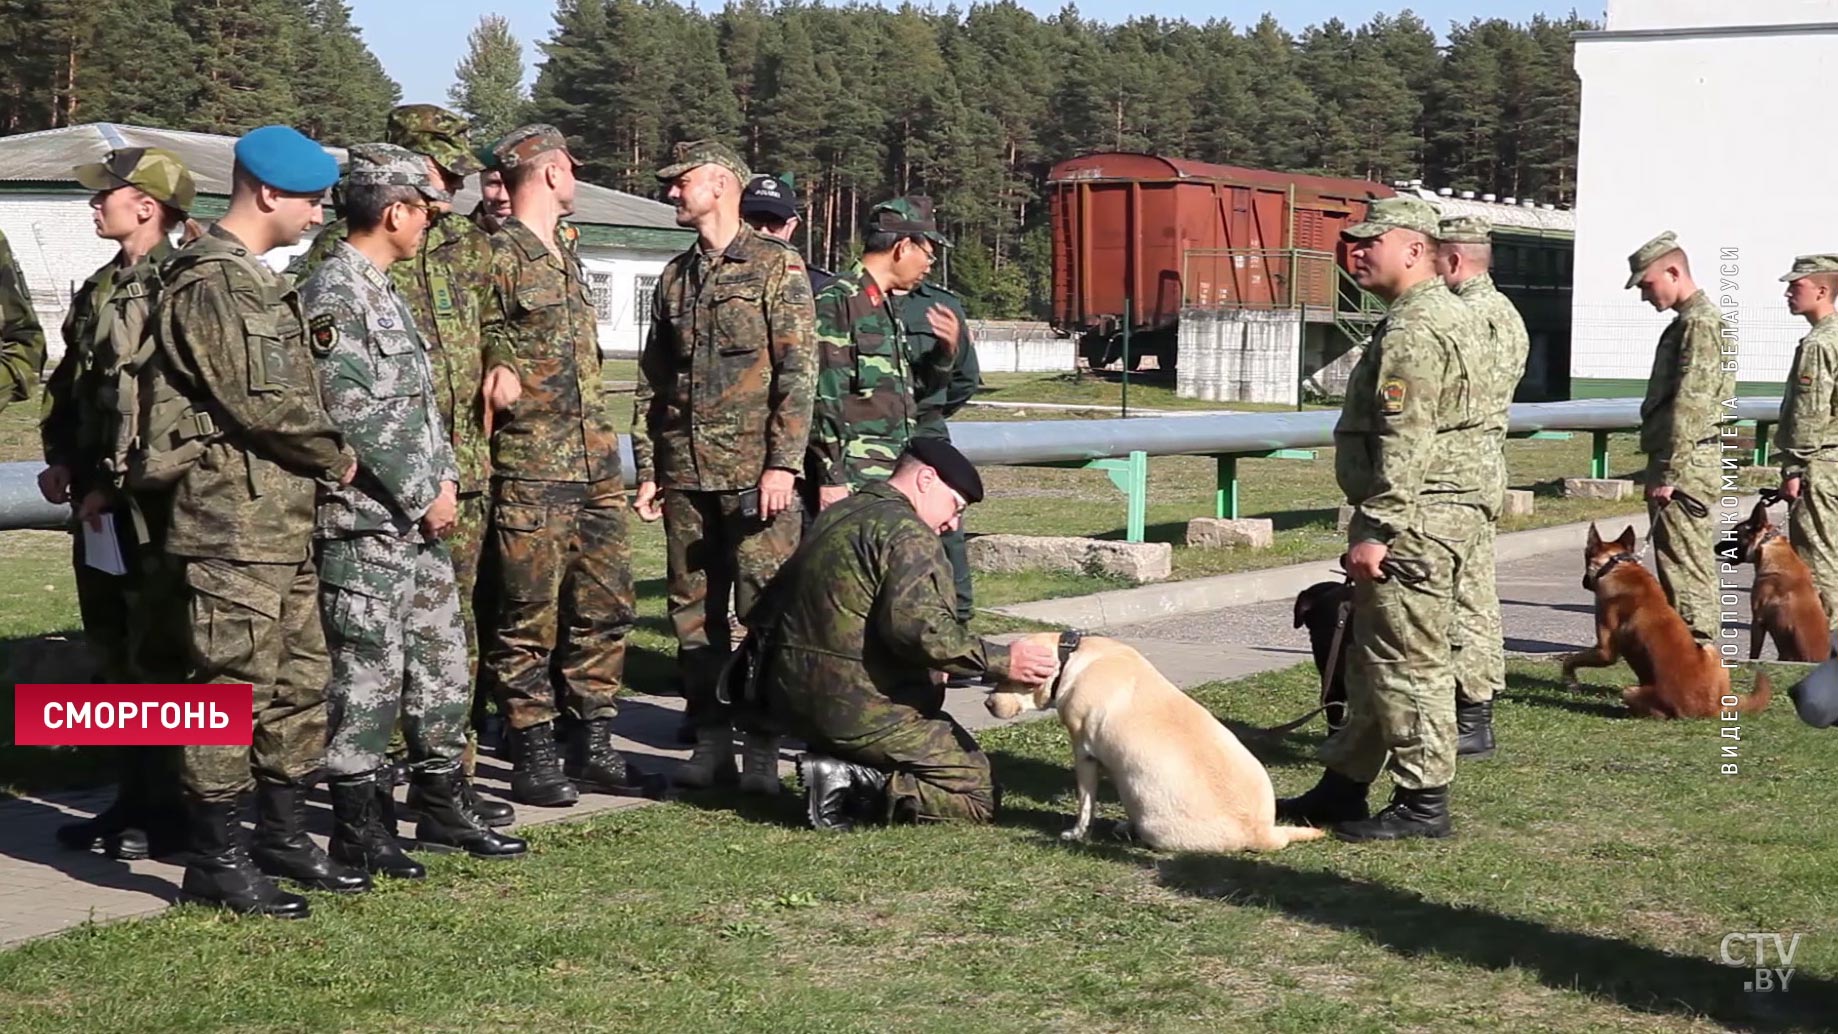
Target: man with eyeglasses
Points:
x,y
865,612
868,390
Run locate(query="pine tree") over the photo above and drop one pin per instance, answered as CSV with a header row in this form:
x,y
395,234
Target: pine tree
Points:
x,y
248,58
701,102
571,92
147,72
343,92
488,83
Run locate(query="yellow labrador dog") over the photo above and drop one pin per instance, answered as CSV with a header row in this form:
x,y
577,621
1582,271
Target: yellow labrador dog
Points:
x,y
1185,780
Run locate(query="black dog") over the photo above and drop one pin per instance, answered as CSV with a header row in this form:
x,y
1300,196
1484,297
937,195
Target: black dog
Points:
x,y
1318,607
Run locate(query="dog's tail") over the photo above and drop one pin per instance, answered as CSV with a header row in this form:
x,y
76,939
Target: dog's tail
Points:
x,y
1282,836
1757,700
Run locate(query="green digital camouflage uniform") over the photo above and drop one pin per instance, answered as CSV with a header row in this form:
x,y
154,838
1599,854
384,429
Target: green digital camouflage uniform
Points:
x,y
242,516
868,388
387,596
868,618
22,337
558,506
943,402
1692,379
1397,459
724,394
1479,638
1808,443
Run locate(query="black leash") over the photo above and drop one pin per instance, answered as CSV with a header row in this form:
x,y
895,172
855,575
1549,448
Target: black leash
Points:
x,y
1069,641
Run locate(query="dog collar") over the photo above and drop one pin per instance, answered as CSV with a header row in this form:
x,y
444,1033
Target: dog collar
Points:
x,y
1068,645
1613,562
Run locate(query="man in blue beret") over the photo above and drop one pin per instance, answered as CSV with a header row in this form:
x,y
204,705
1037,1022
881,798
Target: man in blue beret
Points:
x,y
245,463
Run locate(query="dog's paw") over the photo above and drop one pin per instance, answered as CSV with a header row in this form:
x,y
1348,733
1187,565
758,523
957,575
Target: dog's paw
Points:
x,y
1075,835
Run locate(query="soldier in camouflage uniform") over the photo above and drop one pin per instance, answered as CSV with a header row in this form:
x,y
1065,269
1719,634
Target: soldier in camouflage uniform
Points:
x,y
1694,372
142,194
770,206
494,205
447,285
1808,438
944,401
232,338
388,595
721,419
22,337
558,504
1419,504
1464,261
863,614
868,388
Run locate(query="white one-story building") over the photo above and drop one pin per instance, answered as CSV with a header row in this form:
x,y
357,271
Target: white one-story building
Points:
x,y
1703,117
625,240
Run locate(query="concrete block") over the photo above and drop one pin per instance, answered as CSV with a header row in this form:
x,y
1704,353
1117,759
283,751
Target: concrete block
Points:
x,y
1345,518
1519,502
1136,561
1598,488
1214,533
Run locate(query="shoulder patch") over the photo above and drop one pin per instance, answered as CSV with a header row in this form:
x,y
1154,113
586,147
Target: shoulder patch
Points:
x,y
1392,395
324,331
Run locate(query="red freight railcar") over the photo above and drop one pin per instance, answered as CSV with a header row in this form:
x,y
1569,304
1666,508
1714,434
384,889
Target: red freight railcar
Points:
x,y
1169,234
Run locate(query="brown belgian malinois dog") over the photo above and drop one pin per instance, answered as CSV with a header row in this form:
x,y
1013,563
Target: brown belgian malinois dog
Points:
x,y
1784,604
1678,677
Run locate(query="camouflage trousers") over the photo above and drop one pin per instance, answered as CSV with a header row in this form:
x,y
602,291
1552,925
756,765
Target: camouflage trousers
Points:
x,y
1479,646
392,626
563,567
1400,673
467,544
259,624
1684,547
937,770
717,558
1812,527
959,555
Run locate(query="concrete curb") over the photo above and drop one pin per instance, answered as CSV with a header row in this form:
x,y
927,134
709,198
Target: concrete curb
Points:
x,y
1149,602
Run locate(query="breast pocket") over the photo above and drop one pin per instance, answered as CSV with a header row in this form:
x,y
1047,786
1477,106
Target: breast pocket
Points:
x,y
270,365
876,361
740,326
541,318
397,356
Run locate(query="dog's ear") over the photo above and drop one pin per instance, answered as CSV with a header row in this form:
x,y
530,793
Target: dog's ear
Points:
x,y
1595,538
1628,539
1760,514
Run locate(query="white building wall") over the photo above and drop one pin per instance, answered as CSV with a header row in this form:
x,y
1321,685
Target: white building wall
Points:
x,y
622,280
54,239
1703,130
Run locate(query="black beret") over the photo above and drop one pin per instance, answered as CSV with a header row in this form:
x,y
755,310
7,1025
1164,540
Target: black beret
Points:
x,y
953,469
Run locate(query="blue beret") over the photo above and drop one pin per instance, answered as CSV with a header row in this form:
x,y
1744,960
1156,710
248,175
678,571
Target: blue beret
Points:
x,y
286,159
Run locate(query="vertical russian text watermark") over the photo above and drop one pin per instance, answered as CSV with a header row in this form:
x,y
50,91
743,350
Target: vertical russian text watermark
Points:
x,y
1729,306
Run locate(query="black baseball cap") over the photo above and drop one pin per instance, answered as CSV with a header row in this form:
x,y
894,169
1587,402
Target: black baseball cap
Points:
x,y
770,197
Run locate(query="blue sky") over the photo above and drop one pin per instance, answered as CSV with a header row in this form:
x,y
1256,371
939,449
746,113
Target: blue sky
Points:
x,y
420,41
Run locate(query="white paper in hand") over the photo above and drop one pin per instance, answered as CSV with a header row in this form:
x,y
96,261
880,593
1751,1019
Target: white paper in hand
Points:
x,y
101,549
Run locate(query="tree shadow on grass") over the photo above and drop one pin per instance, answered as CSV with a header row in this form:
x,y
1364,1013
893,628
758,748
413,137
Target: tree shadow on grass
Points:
x,y
1404,922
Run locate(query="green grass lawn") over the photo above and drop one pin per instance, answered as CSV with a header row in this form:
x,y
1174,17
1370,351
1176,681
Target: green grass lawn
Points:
x,y
1598,865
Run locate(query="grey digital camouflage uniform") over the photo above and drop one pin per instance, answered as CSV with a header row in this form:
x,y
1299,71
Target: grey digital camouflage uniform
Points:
x,y
387,596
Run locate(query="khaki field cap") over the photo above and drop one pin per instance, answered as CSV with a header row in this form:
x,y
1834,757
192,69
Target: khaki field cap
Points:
x,y
688,154
437,133
525,143
386,165
154,171
1811,265
1465,229
1649,253
907,215
1394,213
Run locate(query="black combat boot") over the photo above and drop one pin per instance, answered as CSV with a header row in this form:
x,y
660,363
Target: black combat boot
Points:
x,y
448,822
538,778
283,850
1474,721
496,814
116,831
1336,798
221,873
596,764
1411,813
362,837
839,794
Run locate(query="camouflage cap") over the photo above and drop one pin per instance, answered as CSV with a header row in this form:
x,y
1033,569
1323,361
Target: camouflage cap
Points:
x,y
524,144
1649,253
386,165
154,171
435,132
1394,213
906,215
1811,265
1465,229
688,154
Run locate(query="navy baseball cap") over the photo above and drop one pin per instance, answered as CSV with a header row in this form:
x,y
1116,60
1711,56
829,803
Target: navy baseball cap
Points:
x,y
768,196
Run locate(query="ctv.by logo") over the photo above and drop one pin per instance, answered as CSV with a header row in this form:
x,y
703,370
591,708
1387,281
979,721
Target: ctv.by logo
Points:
x,y
1766,945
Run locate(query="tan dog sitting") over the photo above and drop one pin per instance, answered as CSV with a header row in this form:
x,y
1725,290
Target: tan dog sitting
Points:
x,y
1784,604
1185,780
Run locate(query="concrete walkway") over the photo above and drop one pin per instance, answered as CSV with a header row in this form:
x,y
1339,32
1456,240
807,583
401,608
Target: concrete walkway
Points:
x,y
45,889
